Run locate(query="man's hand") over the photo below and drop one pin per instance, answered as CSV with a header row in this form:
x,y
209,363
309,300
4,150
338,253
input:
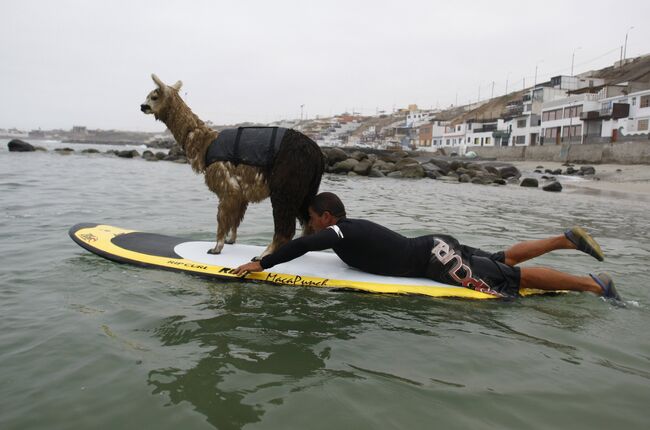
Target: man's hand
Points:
x,y
253,266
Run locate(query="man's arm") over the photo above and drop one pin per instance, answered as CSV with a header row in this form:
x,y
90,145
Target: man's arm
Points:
x,y
324,239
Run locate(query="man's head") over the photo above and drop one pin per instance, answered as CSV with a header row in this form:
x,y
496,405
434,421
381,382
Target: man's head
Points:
x,y
325,210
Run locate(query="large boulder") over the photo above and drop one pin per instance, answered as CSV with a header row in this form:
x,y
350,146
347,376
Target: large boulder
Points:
x,y
503,170
149,156
128,153
363,168
571,170
334,155
433,171
553,187
406,161
90,151
509,171
394,157
412,171
442,164
384,166
375,173
344,166
358,155
17,145
588,170
476,166
455,165
529,182
463,171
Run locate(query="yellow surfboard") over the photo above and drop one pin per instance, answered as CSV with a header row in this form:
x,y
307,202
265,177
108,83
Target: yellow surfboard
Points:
x,y
314,269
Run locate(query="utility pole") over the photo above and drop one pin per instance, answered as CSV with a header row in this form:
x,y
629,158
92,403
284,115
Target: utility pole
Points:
x,y
301,111
625,48
507,77
573,56
492,96
479,94
621,62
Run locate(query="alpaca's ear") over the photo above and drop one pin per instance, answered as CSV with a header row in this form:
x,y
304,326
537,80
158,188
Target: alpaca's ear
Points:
x,y
177,86
157,80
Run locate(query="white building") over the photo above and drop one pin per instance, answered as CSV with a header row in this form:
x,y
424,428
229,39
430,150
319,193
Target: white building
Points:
x,y
573,83
561,119
438,129
525,127
454,135
624,115
484,133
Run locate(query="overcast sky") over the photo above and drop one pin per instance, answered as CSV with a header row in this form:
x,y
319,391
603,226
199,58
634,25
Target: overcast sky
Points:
x,y
66,62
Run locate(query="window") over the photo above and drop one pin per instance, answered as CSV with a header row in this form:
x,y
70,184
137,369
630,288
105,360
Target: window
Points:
x,y
552,115
476,141
642,125
572,131
521,140
521,123
645,101
551,132
572,112
633,101
487,140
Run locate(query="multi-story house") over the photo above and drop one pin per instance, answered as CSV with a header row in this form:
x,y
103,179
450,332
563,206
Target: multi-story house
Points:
x,y
525,127
481,133
623,115
561,119
438,129
454,135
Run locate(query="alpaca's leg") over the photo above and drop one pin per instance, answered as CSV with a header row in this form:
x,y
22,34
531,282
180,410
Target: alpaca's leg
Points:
x,y
239,216
223,226
284,219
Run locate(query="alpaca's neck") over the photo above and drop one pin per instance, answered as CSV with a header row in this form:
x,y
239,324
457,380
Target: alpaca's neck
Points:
x,y
189,131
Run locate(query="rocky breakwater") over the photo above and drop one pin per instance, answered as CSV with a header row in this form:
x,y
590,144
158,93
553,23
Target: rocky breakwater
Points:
x,y
175,154
401,164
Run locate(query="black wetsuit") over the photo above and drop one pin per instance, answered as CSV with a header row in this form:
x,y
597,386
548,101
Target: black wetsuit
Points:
x,y
373,248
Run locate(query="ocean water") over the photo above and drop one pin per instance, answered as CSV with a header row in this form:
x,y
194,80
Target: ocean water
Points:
x,y
87,343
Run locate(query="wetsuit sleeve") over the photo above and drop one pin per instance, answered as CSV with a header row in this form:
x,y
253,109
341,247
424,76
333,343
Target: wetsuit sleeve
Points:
x,y
324,239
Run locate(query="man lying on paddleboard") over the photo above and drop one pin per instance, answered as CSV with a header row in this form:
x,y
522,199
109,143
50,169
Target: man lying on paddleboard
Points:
x,y
372,248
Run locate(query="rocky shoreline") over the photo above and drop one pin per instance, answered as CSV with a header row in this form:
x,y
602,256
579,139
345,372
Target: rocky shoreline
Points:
x,y
391,164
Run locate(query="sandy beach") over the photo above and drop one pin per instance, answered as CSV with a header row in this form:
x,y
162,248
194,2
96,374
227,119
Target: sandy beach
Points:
x,y
631,179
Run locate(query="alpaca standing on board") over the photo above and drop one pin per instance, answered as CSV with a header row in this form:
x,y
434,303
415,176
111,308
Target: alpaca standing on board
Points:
x,y
242,165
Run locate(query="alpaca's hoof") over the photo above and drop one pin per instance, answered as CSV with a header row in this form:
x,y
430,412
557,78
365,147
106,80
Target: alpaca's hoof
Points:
x,y
214,251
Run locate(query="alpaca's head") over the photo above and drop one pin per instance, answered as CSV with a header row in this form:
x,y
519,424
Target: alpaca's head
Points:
x,y
159,99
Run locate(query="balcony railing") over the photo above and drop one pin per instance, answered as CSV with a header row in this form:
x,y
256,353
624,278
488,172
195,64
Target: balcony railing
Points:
x,y
613,111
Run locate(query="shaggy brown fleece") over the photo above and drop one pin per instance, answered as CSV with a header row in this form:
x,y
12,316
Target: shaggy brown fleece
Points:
x,y
291,182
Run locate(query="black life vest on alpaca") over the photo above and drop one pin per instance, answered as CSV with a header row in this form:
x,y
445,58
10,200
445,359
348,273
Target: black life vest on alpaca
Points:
x,y
255,146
